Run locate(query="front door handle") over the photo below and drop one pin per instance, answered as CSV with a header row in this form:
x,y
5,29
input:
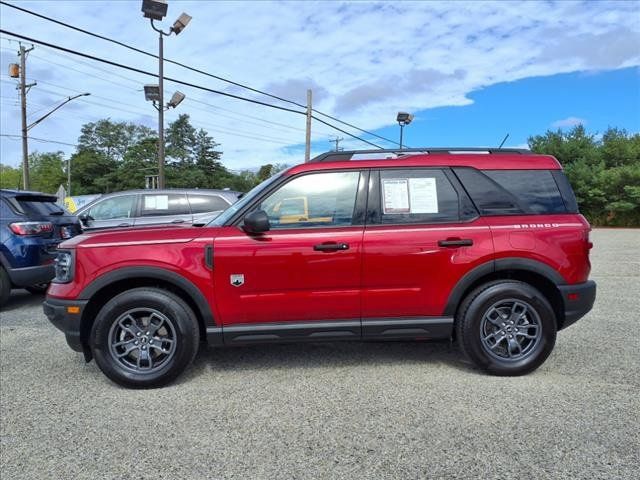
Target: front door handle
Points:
x,y
455,242
124,225
330,247
178,220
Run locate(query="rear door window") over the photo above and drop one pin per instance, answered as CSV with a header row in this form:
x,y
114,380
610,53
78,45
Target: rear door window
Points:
x,y
207,203
164,204
417,196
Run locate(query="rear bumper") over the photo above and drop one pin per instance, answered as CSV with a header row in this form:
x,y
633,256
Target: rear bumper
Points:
x,y
69,323
578,300
25,277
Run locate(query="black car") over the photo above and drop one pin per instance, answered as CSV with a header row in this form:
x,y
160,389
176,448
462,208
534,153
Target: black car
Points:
x,y
32,224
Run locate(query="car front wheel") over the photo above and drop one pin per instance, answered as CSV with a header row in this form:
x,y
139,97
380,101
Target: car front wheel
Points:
x,y
144,337
506,327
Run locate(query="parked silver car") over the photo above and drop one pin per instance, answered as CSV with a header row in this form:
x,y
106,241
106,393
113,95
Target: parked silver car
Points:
x,y
154,207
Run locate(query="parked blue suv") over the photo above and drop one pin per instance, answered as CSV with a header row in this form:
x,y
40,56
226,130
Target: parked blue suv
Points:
x,y
31,226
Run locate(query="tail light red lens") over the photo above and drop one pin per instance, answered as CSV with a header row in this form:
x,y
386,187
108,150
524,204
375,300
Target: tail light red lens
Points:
x,y
31,228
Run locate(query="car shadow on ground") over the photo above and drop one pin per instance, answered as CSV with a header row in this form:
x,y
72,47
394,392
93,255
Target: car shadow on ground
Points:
x,y
20,299
271,357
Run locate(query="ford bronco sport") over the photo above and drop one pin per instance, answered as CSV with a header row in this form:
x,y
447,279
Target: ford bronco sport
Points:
x,y
484,247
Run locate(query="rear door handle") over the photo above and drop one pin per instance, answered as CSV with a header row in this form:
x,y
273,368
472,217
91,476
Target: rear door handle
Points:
x,y
124,225
455,242
178,220
330,247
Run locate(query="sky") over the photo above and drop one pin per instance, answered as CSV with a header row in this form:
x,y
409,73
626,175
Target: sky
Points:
x,y
471,73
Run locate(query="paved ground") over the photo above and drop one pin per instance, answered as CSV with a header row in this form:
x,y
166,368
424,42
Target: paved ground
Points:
x,y
375,411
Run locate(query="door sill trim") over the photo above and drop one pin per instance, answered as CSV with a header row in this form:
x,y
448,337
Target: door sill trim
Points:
x,y
386,328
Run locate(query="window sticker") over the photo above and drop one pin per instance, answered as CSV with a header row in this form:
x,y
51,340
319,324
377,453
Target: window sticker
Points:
x,y
395,196
423,195
156,202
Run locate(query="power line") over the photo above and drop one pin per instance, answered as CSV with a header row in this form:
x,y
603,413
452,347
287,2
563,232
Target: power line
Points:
x,y
144,72
197,70
180,82
37,139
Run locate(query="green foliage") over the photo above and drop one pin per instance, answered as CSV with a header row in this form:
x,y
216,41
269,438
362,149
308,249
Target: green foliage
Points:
x,y
47,171
604,174
10,177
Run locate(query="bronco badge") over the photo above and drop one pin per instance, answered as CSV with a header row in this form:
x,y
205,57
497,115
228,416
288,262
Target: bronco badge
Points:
x,y
237,279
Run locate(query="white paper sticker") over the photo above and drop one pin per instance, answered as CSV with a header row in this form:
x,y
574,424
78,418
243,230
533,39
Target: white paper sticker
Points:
x,y
396,196
423,195
156,202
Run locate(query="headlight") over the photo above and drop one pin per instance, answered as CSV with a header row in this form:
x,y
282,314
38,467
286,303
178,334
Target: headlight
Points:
x,y
64,267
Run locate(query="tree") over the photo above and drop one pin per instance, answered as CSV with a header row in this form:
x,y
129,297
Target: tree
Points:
x,y
47,171
605,174
10,177
181,141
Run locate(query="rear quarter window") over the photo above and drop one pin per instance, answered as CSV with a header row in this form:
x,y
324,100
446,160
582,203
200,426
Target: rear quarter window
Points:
x,y
207,203
513,192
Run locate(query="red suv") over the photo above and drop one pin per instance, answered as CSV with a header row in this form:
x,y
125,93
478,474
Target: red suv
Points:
x,y
485,247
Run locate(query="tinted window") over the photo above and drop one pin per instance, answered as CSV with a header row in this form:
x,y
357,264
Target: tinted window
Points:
x,y
115,207
164,204
315,200
417,196
206,203
39,206
489,197
536,190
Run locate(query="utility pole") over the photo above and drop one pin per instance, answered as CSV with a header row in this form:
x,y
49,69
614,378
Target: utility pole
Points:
x,y
23,107
307,150
337,141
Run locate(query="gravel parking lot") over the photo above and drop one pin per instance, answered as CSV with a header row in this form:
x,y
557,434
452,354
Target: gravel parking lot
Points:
x,y
344,410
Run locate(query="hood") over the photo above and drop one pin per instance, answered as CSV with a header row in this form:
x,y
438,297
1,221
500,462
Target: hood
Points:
x,y
120,237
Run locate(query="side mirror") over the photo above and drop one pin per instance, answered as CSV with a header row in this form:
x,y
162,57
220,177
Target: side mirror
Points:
x,y
256,222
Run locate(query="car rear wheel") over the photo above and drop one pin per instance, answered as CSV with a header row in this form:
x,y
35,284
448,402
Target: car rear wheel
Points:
x,y
506,327
144,337
5,287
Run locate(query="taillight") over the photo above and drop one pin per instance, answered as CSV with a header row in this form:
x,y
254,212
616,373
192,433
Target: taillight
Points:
x,y
31,228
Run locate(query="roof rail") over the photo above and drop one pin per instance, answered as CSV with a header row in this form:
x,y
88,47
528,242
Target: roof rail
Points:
x,y
334,156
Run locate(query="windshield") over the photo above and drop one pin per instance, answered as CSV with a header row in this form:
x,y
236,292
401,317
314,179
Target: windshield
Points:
x,y
246,198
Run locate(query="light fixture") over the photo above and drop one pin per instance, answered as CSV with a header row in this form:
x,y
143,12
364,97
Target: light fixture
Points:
x,y
404,118
182,21
154,9
176,98
152,93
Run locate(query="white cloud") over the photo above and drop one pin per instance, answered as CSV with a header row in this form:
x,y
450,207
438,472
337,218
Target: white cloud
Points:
x,y
569,122
364,60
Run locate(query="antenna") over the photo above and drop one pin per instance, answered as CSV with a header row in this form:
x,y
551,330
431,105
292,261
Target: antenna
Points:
x,y
504,140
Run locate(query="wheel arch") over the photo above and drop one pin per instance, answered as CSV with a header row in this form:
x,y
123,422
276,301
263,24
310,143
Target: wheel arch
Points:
x,y
537,274
105,287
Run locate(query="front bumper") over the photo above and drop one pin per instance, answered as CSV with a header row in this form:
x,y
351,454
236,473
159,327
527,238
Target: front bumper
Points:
x,y
57,312
578,300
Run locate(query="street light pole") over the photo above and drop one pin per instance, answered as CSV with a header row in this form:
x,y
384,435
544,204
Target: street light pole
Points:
x,y
161,181
401,131
156,10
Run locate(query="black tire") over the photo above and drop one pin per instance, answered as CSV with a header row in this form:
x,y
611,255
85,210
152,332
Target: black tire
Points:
x,y
5,287
113,327
496,327
38,289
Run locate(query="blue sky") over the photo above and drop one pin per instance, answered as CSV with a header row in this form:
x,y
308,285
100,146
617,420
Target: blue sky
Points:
x,y
470,72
